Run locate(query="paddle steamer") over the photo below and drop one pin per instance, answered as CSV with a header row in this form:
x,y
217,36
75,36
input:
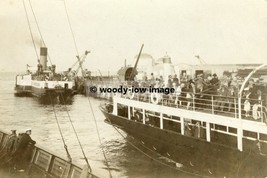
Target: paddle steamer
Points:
x,y
44,83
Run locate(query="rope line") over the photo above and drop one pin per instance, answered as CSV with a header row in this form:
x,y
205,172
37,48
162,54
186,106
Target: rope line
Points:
x,y
71,29
35,19
98,134
29,25
86,160
60,131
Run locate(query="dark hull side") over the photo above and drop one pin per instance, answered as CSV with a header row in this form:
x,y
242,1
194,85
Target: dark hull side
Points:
x,y
206,158
23,90
36,162
53,95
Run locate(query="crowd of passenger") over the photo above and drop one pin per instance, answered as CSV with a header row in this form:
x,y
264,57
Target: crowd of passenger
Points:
x,y
206,91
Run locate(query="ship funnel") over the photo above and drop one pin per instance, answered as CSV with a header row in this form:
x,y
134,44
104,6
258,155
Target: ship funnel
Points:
x,y
43,57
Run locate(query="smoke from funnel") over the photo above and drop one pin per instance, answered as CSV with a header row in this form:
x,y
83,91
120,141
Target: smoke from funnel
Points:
x,y
43,57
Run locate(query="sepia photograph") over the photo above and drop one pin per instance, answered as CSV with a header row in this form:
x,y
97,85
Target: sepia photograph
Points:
x,y
133,89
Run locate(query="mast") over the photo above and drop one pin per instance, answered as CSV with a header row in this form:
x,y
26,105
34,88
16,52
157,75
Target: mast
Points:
x,y
135,66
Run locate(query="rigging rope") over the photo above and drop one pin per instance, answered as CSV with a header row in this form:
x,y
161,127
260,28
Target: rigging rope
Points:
x,y
78,56
35,19
60,131
98,133
86,160
29,25
71,29
110,175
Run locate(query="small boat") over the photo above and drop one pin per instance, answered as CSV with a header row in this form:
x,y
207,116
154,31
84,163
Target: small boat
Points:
x,y
45,83
43,163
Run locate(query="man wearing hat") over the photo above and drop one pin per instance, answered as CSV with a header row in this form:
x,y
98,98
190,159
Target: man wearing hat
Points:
x,y
175,80
23,147
12,142
215,82
9,147
25,140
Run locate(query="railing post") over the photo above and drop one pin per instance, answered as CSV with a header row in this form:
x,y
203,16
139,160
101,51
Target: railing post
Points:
x,y
208,131
129,112
182,125
239,139
235,108
115,107
239,128
161,120
212,104
239,108
193,102
144,117
261,115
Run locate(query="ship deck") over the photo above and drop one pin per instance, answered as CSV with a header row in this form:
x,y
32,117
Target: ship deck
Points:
x,y
42,163
227,122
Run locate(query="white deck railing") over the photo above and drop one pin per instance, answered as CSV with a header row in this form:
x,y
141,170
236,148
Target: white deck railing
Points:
x,y
184,114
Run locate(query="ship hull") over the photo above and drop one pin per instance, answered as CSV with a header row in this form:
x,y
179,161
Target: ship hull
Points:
x,y
53,95
37,162
48,91
204,158
21,90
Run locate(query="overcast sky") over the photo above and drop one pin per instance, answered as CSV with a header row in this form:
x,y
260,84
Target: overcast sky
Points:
x,y
219,31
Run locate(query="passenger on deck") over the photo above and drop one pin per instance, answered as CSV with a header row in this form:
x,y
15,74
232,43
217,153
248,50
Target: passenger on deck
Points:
x,y
257,109
199,83
183,77
135,83
161,81
247,102
21,156
169,84
259,96
198,132
222,99
191,93
144,78
9,147
144,96
187,129
167,98
184,91
253,92
137,116
175,80
157,83
209,78
172,96
233,94
147,119
215,82
152,80
178,92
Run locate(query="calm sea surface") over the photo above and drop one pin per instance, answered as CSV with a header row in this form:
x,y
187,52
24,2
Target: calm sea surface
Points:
x,y
125,161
